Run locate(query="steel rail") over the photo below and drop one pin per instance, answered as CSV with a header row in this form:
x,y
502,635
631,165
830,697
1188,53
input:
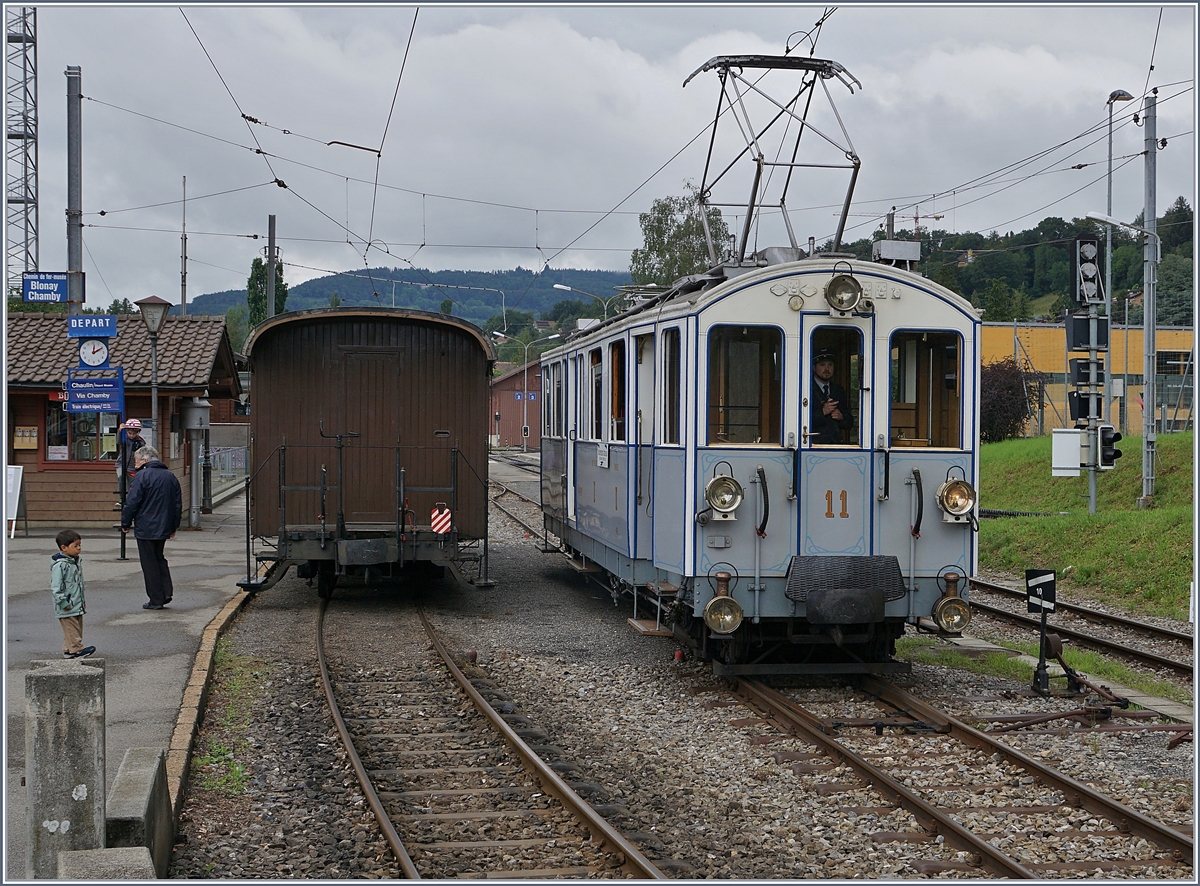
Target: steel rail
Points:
x,y
634,862
364,780
930,816
1089,613
515,518
1075,792
1180,667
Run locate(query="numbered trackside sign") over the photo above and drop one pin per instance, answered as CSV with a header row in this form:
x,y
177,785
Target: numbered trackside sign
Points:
x,y
439,519
1039,589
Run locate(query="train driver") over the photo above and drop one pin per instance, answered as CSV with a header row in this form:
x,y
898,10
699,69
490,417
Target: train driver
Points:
x,y
830,414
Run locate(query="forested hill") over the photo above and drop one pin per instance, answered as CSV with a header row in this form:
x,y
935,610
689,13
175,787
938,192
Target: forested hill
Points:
x,y
476,295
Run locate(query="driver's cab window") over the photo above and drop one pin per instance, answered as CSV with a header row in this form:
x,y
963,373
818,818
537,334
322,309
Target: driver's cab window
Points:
x,y
925,389
836,364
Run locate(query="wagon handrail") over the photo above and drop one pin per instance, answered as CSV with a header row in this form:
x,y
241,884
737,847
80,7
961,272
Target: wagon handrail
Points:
x,y
249,541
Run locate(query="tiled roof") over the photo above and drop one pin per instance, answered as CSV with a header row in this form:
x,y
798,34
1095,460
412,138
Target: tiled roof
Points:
x,y
193,352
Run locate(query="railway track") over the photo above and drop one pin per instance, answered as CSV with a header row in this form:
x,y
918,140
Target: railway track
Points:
x,y
1001,810
1121,645
450,772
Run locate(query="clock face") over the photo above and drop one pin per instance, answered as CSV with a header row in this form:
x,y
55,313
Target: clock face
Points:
x,y
93,352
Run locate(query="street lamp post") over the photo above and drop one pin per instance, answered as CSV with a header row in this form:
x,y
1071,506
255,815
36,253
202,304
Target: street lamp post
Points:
x,y
1149,328
1117,95
154,314
604,301
525,389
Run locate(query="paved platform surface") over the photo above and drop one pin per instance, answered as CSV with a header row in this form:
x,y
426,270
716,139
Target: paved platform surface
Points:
x,y
148,655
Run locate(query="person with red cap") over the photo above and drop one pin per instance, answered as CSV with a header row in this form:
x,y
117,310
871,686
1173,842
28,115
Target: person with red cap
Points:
x,y
131,440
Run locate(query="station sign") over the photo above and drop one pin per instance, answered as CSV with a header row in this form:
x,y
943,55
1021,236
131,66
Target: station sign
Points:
x,y
96,394
49,287
92,326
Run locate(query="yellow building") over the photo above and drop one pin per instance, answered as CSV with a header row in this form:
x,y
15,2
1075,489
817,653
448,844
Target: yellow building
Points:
x,y
1042,347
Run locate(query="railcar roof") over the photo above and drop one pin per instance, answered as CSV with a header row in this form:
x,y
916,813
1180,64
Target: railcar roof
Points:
x,y
370,311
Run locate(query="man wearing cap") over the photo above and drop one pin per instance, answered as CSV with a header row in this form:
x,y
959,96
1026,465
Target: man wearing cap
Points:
x,y
830,416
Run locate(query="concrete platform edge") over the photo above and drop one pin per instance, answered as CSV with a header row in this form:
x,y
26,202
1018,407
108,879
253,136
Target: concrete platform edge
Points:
x,y
179,754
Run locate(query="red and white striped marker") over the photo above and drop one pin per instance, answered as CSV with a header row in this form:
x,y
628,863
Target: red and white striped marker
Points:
x,y
439,519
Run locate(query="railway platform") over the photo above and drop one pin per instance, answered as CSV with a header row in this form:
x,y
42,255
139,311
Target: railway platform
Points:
x,y
149,656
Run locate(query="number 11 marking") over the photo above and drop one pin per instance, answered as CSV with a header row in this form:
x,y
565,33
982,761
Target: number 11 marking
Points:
x,y
829,504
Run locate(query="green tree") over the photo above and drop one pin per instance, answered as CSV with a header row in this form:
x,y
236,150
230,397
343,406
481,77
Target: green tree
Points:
x,y
1176,226
121,306
447,306
674,245
256,291
1173,291
334,301
236,326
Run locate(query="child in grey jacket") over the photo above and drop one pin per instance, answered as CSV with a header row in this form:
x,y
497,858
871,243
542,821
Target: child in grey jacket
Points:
x,y
66,584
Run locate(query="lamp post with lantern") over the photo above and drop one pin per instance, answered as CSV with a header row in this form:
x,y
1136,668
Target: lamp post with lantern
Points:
x,y
1117,95
154,313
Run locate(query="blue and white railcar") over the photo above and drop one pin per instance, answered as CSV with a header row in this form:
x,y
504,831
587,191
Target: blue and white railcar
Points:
x,y
679,456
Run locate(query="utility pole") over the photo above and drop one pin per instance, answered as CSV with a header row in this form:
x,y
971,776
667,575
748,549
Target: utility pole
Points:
x,y
270,266
1149,324
74,190
183,257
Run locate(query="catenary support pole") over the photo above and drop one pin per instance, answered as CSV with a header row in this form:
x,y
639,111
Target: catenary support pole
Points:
x,y
74,189
271,266
1149,325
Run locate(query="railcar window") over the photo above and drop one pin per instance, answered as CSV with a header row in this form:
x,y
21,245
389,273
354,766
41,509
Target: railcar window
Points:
x,y
596,378
671,386
560,422
841,424
616,362
744,391
926,389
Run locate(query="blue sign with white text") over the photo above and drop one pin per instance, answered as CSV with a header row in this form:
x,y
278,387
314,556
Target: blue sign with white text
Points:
x,y
44,286
92,326
96,394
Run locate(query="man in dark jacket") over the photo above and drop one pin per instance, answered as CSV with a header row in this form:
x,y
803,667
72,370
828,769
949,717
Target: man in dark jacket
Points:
x,y
831,418
154,508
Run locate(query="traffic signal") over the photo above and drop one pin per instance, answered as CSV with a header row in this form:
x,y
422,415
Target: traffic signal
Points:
x,y
1109,453
1085,286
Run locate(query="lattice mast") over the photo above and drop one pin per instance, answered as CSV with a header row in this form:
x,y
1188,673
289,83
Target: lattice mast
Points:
x,y
21,155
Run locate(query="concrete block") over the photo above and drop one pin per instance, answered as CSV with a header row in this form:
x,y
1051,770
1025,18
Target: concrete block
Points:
x,y
139,807
64,761
128,863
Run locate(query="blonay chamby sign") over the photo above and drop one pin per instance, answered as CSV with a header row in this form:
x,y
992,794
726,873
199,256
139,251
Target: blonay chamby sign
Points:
x,y
44,286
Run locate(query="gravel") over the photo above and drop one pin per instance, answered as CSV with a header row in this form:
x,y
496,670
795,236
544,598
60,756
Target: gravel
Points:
x,y
700,781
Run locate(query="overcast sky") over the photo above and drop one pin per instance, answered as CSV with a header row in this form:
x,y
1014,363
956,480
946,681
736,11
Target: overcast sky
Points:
x,y
515,130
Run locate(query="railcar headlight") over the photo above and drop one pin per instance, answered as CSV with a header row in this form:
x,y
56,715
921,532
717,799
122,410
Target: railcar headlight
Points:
x,y
843,293
956,497
723,493
723,615
952,614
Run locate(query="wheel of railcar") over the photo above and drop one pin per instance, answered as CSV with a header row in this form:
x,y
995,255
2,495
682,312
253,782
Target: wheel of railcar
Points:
x,y
325,582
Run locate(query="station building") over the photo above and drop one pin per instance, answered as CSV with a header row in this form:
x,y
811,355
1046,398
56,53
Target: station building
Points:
x,y
68,458
1042,348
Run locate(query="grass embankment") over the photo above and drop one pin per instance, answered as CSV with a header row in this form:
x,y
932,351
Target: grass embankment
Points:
x,y
928,650
1140,560
238,684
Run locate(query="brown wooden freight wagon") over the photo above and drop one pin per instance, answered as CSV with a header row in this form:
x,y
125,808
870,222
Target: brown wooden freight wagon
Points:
x,y
367,425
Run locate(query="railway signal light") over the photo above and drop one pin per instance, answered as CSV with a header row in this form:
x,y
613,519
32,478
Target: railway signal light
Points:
x,y
1109,453
1086,288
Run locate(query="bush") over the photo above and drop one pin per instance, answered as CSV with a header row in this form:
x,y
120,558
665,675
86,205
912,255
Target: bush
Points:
x,y
1005,398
